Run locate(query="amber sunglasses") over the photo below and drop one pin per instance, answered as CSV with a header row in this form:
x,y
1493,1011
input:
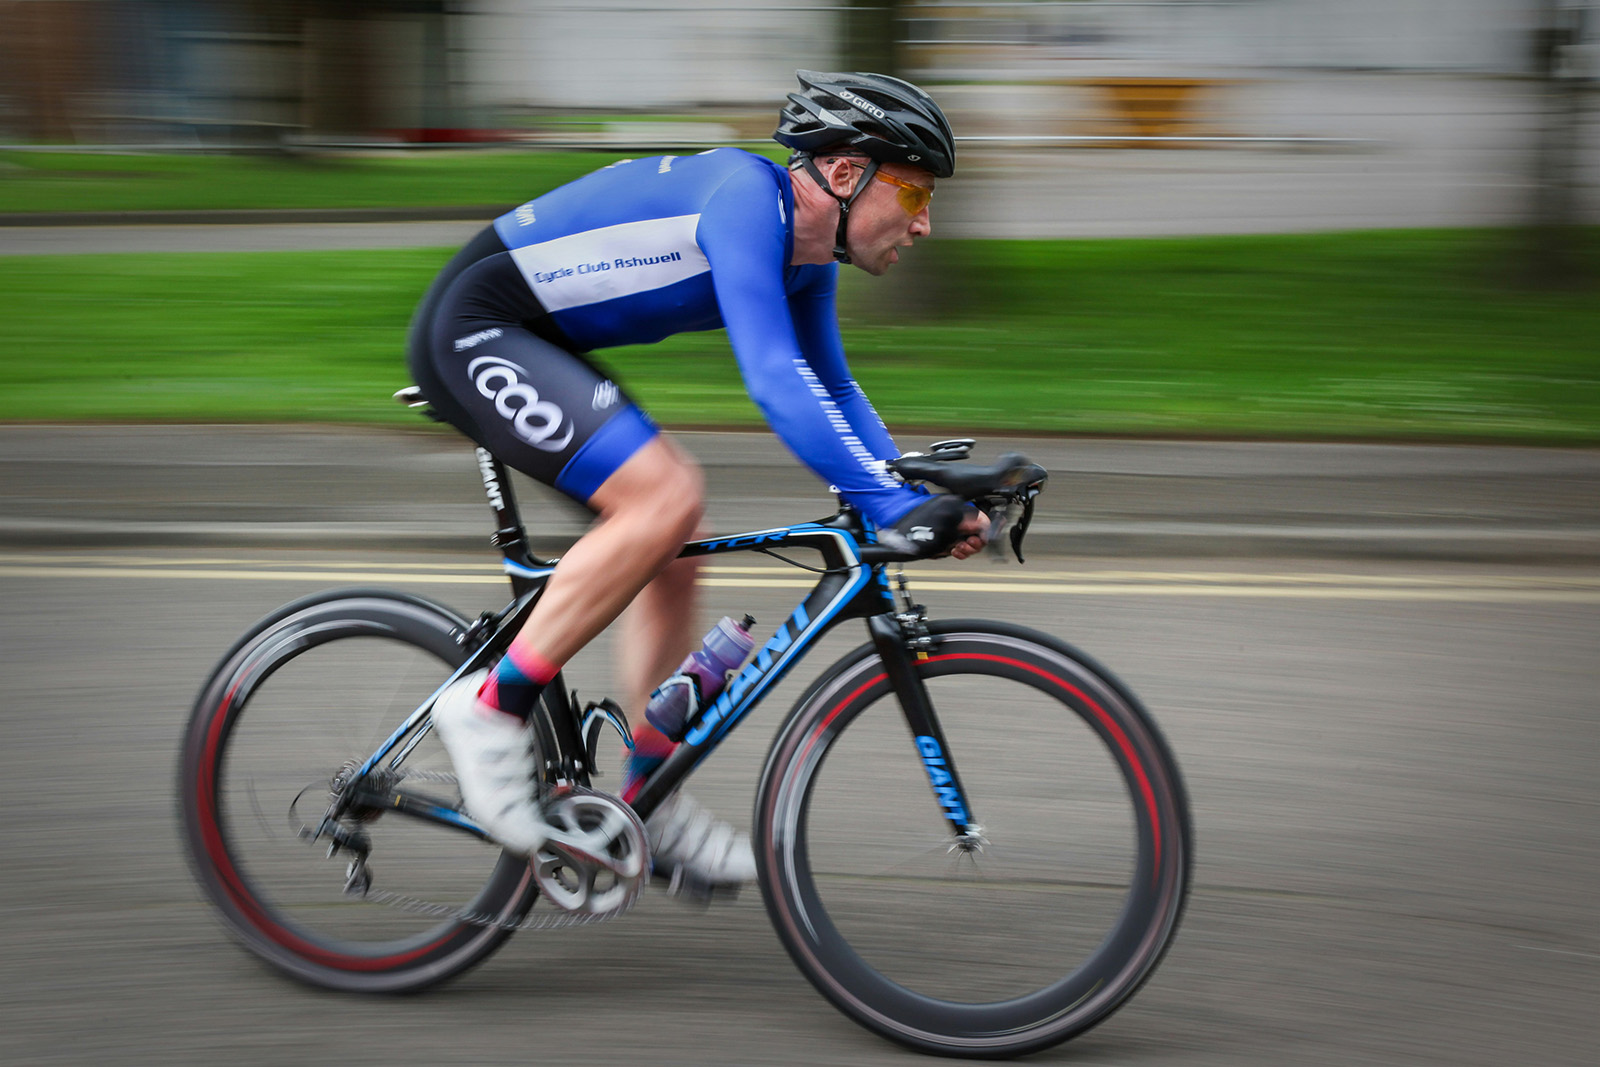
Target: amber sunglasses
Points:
x,y
913,198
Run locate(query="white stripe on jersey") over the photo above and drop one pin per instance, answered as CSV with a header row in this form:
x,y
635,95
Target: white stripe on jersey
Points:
x,y
612,261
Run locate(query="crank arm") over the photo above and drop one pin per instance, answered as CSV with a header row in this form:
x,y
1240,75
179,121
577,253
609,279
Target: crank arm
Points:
x,y
592,849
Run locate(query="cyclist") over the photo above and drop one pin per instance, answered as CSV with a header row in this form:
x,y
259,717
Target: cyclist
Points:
x,y
630,254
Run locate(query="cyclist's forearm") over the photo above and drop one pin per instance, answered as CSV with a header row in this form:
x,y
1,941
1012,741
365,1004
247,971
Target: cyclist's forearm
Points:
x,y
814,427
816,325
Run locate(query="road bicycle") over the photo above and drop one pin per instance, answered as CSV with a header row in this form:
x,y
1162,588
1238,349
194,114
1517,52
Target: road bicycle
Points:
x,y
971,838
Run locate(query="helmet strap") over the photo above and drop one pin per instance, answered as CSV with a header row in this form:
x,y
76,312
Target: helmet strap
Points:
x,y
840,253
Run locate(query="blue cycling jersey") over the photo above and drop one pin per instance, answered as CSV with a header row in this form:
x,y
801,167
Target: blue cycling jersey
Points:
x,y
647,248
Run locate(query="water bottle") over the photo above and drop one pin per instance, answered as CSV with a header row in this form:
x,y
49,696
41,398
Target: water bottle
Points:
x,y
700,678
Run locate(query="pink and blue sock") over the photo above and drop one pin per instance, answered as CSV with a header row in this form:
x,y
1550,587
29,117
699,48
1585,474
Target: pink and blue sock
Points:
x,y
517,680
650,750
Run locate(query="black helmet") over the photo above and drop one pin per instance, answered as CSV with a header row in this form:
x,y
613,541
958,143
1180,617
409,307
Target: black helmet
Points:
x,y
883,118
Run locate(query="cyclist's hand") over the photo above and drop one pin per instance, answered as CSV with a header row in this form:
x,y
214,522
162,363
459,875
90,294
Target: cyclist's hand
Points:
x,y
940,526
974,531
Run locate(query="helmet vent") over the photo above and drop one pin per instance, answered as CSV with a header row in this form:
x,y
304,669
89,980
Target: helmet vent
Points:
x,y
884,118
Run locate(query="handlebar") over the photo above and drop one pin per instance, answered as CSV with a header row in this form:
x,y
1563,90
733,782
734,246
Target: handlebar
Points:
x,y
1004,490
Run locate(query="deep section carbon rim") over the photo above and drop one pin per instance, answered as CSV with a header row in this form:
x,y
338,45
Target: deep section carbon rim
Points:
x,y
1058,916
306,696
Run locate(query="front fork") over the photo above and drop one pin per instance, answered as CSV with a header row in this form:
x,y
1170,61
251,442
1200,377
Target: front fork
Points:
x,y
902,641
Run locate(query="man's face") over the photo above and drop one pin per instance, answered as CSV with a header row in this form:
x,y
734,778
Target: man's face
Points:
x,y
880,223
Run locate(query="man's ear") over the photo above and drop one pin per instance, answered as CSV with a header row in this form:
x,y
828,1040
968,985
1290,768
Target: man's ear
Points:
x,y
839,177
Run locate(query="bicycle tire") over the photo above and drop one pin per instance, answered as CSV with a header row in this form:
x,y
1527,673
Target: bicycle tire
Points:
x,y
846,943
248,684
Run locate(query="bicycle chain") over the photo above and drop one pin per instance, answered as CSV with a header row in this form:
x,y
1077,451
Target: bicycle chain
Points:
x,y
418,906
429,776
541,921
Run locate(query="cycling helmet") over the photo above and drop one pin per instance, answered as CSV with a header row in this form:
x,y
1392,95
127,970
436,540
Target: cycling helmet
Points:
x,y
883,118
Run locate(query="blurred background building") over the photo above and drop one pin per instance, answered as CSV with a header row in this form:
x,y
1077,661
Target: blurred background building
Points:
x,y
241,73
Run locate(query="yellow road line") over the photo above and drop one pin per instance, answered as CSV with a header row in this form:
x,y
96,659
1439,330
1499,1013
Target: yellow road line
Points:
x,y
1254,578
925,577
1469,591
980,573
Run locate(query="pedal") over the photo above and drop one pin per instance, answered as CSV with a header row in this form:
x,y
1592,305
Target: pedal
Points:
x,y
691,890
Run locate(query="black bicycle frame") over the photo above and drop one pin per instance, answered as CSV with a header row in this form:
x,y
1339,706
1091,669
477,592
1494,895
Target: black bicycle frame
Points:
x,y
852,584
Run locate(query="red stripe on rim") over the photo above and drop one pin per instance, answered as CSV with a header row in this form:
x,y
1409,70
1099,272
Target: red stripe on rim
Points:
x,y
822,727
1100,713
205,794
1106,720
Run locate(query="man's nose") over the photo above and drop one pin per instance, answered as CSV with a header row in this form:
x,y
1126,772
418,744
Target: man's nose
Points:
x,y
921,223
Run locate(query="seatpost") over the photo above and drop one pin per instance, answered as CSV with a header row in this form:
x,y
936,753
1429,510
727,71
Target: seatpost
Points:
x,y
509,536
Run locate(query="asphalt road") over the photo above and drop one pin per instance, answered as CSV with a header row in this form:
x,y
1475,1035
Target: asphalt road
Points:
x,y
1390,765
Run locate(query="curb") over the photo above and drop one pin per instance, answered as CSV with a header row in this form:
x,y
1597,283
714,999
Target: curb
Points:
x,y
1126,540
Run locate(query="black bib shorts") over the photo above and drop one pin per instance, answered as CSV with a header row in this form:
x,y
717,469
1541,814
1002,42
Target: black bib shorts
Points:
x,y
494,365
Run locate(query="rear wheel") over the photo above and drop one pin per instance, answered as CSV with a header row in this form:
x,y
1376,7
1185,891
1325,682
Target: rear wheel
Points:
x,y
298,703
1023,939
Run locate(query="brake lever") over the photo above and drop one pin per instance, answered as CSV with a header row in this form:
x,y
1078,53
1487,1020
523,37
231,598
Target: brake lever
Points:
x,y
1002,513
1020,528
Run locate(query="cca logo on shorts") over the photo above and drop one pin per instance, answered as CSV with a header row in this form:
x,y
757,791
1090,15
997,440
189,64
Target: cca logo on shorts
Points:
x,y
534,420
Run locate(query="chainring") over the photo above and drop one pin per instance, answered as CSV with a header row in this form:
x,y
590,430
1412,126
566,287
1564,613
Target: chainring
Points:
x,y
597,858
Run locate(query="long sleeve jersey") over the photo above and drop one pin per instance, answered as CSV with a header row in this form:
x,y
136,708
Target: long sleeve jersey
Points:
x,y
647,248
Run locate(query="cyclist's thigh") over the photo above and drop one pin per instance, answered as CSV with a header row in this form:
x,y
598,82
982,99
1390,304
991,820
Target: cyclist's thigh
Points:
x,y
538,407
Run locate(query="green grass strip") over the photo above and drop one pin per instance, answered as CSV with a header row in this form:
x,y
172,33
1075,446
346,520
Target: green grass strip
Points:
x,y
37,182
1392,335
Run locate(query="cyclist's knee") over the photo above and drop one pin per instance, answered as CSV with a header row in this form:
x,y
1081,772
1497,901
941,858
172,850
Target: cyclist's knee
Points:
x,y
680,502
661,487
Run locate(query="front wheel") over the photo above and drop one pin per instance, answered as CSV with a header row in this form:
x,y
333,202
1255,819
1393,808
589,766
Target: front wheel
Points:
x,y
1020,936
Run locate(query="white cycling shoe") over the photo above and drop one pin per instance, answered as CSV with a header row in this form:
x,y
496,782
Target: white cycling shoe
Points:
x,y
493,757
696,851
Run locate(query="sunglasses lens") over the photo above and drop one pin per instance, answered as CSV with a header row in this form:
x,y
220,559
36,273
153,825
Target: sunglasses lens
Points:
x,y
914,199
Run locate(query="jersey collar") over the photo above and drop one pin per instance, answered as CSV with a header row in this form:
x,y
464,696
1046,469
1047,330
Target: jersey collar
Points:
x,y
786,192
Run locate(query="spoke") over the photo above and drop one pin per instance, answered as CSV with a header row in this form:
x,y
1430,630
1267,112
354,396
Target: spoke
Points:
x,y
255,804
